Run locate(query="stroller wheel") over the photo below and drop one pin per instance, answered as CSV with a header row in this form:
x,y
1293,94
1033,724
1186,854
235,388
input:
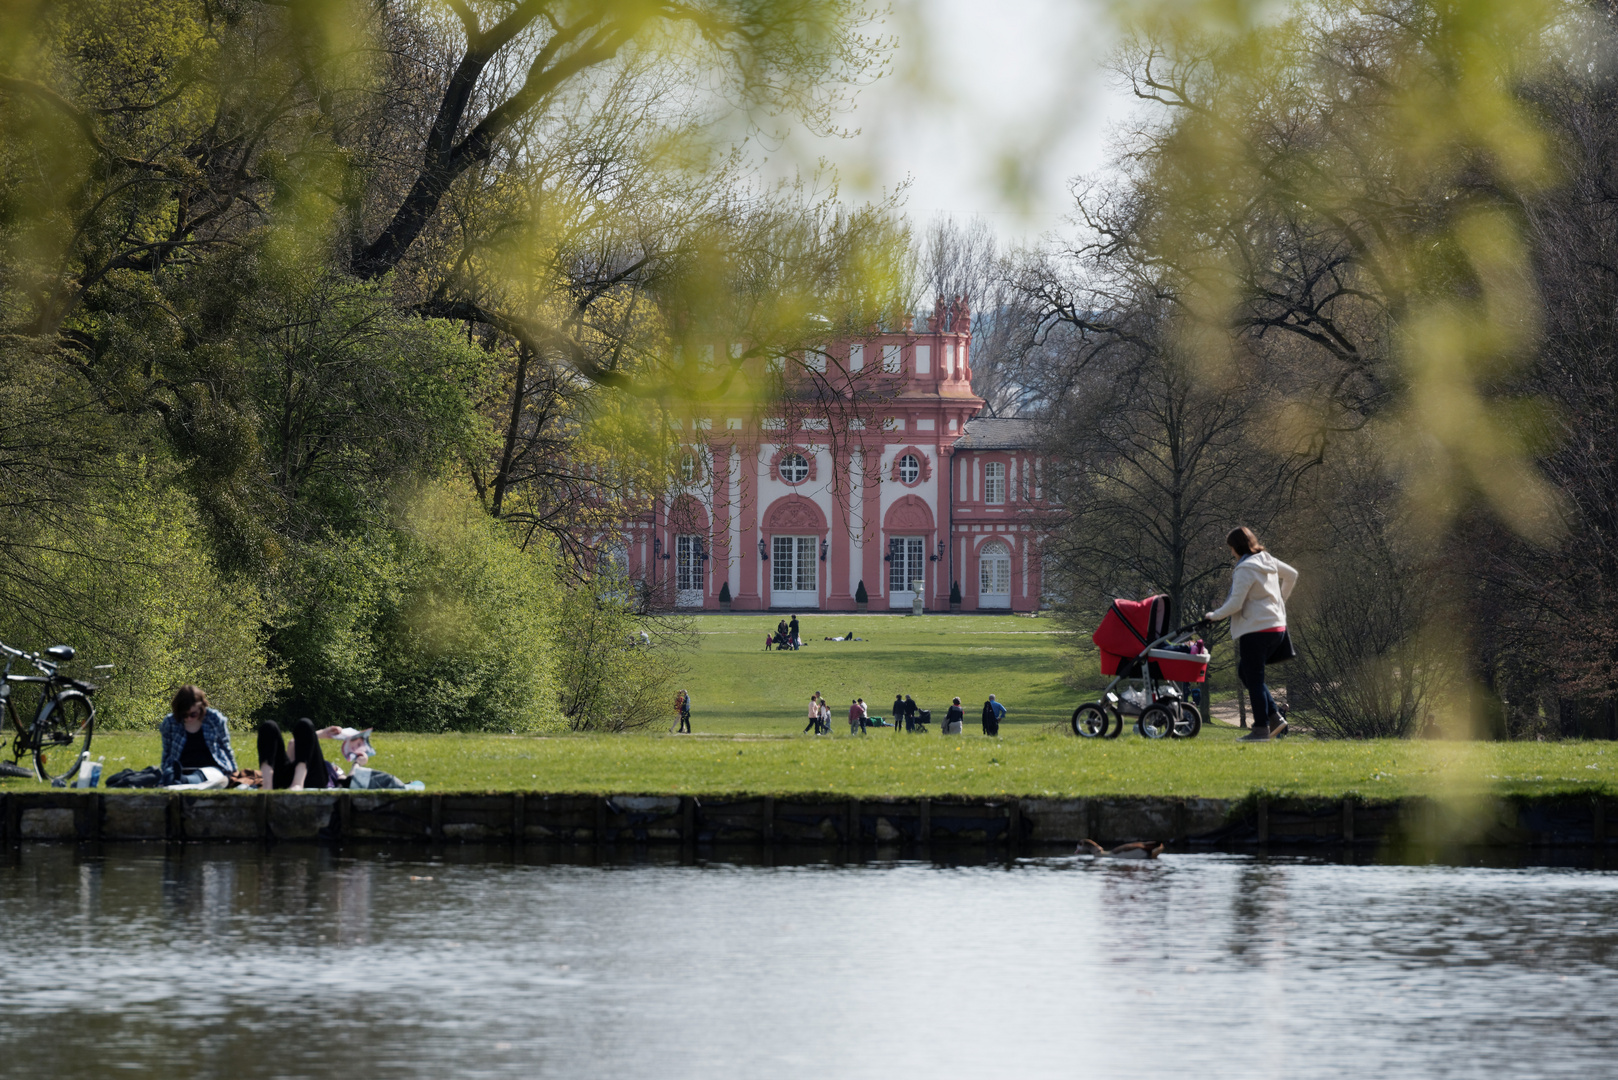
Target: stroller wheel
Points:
x,y
1157,721
1190,723
1090,721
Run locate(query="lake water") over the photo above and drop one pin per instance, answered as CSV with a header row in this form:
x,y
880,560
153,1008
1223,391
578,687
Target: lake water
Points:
x,y
236,962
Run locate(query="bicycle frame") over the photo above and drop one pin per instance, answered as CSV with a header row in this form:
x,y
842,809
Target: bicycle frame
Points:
x,y
54,688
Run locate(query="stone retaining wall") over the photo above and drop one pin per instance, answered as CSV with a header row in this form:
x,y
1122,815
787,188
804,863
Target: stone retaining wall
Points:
x,y
633,819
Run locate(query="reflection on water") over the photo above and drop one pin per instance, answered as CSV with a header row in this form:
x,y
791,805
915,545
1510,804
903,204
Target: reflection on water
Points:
x,y
239,962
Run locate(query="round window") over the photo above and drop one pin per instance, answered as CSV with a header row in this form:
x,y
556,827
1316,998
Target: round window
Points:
x,y
794,469
909,469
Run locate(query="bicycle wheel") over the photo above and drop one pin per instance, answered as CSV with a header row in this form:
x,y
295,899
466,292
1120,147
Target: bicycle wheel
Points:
x,y
1190,723
1090,720
62,735
1157,721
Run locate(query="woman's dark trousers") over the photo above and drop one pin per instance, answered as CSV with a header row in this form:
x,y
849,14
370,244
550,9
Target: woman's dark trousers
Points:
x,y
305,747
1253,652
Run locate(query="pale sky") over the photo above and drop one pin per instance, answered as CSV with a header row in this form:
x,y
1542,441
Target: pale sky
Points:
x,y
984,89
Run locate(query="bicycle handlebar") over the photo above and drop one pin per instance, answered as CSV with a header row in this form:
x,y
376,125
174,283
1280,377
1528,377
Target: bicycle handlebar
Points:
x,y
33,658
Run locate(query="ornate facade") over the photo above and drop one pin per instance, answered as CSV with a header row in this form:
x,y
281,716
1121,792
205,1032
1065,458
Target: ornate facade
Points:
x,y
793,513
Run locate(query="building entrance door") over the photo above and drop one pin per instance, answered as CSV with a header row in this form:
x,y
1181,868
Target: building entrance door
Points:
x,y
689,578
909,565
994,576
794,572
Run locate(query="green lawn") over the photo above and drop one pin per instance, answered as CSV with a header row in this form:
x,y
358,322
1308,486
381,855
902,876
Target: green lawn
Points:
x,y
738,687
749,717
1022,761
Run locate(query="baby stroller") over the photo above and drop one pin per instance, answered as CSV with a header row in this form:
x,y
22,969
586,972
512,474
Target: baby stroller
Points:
x,y
1139,651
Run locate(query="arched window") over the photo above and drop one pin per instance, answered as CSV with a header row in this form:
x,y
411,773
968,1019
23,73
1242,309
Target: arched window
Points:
x,y
994,482
994,575
794,469
909,469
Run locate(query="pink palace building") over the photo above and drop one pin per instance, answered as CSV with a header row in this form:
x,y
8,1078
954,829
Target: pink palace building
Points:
x,y
793,513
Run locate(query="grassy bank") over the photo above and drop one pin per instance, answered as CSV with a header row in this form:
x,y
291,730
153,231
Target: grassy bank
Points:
x,y
1021,762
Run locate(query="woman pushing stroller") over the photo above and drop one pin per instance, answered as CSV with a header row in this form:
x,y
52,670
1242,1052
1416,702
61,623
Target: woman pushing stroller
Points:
x,y
1257,609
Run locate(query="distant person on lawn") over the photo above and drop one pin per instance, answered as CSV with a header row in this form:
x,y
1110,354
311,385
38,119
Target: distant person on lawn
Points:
x,y
911,713
898,712
954,718
814,714
854,725
825,716
993,712
792,633
195,736
682,706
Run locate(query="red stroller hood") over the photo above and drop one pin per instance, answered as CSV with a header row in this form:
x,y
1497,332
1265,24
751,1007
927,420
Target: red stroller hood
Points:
x,y
1130,625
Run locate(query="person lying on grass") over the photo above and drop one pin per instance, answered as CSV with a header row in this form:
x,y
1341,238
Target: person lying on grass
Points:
x,y
306,769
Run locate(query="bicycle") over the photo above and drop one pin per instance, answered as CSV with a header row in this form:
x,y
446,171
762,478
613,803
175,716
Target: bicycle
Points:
x,y
65,714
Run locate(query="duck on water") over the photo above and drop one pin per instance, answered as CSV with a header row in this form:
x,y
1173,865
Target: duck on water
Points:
x,y
1140,849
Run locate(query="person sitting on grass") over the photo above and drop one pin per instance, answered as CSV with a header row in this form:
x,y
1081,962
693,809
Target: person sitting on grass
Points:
x,y
306,769
195,736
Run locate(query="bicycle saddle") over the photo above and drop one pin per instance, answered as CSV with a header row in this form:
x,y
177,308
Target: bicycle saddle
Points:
x,y
61,653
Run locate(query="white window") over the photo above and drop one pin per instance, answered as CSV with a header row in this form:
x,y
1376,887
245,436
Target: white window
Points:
x,y
705,358
994,482
891,361
994,575
909,563
924,359
688,468
688,570
794,469
949,359
856,357
815,361
794,571
909,469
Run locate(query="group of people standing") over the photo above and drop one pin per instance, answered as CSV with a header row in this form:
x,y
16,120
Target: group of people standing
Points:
x,y
786,636
906,716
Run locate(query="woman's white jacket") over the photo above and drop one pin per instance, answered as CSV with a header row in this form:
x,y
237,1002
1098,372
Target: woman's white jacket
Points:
x,y
1259,587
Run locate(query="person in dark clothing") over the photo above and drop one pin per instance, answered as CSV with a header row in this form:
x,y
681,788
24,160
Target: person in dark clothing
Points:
x,y
305,769
682,705
898,712
195,736
792,633
992,712
911,712
954,718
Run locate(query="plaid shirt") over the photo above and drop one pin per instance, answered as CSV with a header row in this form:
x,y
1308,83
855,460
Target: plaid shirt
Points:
x,y
215,732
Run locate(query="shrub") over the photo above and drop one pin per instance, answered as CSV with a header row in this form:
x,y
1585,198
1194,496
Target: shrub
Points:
x,y
131,583
616,668
955,592
439,623
724,592
860,595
